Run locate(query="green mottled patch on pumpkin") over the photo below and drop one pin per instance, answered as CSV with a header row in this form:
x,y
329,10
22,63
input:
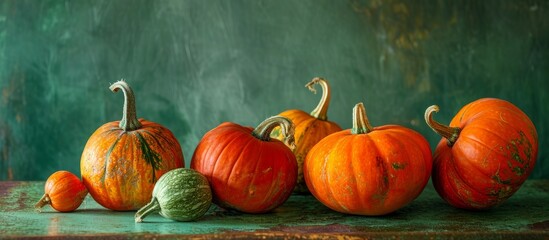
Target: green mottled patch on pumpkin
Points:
x,y
398,166
150,156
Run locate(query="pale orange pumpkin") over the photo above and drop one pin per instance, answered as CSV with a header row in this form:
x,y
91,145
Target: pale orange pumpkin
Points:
x,y
309,128
368,170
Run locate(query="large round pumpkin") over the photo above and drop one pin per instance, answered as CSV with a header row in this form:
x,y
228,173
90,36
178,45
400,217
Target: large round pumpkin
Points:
x,y
309,128
123,159
486,153
247,170
368,170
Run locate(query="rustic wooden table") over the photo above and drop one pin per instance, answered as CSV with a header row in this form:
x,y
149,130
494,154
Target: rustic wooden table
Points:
x,y
523,216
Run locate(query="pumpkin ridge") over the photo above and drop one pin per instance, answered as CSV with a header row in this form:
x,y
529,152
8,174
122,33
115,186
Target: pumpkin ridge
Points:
x,y
457,184
332,196
250,140
151,157
381,163
463,183
108,156
257,159
225,146
356,166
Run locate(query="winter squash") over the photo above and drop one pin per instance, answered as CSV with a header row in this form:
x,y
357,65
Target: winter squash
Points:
x,y
248,171
309,128
180,194
368,170
486,153
122,160
63,191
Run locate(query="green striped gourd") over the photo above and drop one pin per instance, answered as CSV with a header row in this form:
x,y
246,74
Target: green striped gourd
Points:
x,y
181,194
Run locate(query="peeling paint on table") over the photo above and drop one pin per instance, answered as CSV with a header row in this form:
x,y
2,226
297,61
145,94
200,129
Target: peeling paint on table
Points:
x,y
526,214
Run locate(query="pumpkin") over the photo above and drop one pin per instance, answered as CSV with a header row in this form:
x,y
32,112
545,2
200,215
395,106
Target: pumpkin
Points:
x,y
122,160
309,128
248,171
368,170
180,194
486,153
63,191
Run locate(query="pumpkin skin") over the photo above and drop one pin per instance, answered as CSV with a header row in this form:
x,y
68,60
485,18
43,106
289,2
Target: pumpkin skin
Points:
x,y
366,170
486,153
309,129
63,191
122,160
247,170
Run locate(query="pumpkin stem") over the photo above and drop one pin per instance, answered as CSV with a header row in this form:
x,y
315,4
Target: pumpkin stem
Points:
x,y
321,109
450,133
129,120
264,129
361,125
151,207
45,200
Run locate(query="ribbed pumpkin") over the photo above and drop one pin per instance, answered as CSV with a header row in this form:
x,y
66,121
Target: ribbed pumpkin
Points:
x,y
247,170
368,170
486,153
63,191
309,128
122,160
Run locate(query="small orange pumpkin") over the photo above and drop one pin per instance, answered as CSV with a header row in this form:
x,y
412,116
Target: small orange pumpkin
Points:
x,y
63,191
123,159
367,170
309,128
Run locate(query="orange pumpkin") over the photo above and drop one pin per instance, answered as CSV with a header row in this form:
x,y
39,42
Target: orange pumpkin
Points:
x,y
63,191
368,170
247,170
486,153
309,128
123,159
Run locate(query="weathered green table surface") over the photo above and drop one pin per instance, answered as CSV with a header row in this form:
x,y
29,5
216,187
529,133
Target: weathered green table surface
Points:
x,y
523,216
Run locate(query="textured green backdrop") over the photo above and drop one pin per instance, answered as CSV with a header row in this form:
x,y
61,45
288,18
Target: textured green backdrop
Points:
x,y
195,64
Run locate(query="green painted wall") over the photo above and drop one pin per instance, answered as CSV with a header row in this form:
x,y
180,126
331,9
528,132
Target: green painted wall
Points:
x,y
195,64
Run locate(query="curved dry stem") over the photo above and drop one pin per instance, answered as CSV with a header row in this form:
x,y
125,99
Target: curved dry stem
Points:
x,y
45,200
450,133
129,120
321,109
264,129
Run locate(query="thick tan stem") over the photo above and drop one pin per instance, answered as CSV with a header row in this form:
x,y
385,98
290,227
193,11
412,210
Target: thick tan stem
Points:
x,y
321,109
129,120
361,125
264,129
45,200
450,133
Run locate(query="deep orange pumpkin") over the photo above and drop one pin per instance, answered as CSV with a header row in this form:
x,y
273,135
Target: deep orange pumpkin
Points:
x,y
247,170
368,170
309,128
486,153
123,159
63,191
